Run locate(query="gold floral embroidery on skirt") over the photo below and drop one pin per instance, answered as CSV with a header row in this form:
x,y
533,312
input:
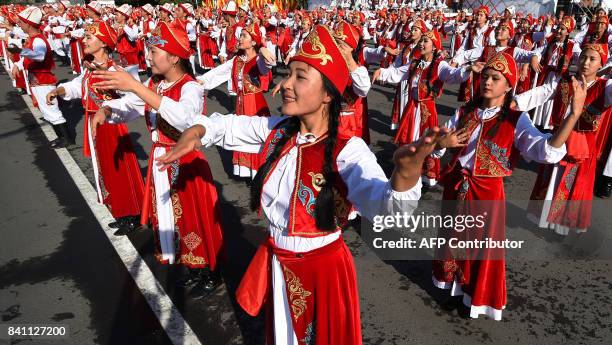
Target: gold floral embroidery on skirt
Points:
x,y
297,293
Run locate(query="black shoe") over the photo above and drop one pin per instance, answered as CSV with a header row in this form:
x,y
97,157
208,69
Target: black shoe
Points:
x,y
116,224
129,226
451,303
206,286
605,187
191,278
463,310
58,143
122,220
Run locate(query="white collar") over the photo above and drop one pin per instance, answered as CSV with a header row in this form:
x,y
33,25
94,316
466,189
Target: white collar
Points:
x,y
487,113
305,138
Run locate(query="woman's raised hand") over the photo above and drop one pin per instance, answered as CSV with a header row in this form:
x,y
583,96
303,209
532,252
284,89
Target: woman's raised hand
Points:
x,y
411,156
115,80
453,138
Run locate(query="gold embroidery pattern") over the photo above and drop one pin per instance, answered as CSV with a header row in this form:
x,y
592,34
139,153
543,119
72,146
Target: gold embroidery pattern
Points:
x,y
317,181
192,241
316,48
176,206
297,293
339,33
189,258
488,164
499,63
425,114
565,94
94,29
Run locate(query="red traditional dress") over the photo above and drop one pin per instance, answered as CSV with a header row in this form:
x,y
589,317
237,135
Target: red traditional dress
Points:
x,y
249,80
76,50
127,46
302,276
475,38
118,178
476,173
420,112
180,203
207,45
565,190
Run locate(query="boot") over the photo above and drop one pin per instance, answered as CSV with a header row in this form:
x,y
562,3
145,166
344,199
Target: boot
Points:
x,y
207,284
129,225
605,187
63,138
191,278
119,222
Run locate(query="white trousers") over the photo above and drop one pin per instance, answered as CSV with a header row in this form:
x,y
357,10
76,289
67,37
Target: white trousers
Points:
x,y
51,112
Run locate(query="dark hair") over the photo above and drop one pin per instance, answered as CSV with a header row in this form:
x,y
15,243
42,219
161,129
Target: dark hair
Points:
x,y
358,50
185,66
477,102
325,204
431,89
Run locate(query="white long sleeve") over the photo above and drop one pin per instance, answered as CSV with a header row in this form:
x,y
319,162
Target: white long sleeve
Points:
x,y
532,144
131,32
72,88
180,113
217,75
539,95
38,51
125,109
361,81
368,188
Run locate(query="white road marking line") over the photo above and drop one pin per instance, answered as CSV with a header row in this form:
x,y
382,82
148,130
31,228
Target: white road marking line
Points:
x,y
169,317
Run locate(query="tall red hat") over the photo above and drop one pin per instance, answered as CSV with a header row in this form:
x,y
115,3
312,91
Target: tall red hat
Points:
x,y
171,38
505,64
320,51
420,24
347,33
508,24
484,9
569,23
600,48
254,32
434,36
104,33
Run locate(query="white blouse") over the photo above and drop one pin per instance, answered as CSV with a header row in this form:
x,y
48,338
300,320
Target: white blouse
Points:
x,y
532,144
369,189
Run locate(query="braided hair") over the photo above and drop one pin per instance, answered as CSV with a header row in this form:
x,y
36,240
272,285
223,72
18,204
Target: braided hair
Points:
x,y
431,89
325,204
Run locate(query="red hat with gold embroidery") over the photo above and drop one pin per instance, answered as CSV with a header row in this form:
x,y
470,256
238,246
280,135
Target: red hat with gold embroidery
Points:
x,y
420,24
434,36
484,9
254,32
347,33
171,38
508,24
600,48
104,33
320,51
505,64
569,23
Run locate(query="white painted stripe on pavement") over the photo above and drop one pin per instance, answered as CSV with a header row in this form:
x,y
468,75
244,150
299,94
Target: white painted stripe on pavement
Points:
x,y
169,317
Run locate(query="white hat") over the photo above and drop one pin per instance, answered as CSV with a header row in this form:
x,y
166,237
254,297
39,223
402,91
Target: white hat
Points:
x,y
167,7
148,8
273,8
65,4
31,15
187,7
245,6
511,9
230,8
95,6
125,9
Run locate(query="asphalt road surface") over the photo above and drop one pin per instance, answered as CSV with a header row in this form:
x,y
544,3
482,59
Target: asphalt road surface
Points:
x,y
57,266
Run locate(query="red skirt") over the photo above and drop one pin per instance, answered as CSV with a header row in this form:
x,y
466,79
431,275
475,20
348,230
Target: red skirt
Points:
x,y
120,177
76,55
404,134
482,279
208,49
321,287
197,214
252,104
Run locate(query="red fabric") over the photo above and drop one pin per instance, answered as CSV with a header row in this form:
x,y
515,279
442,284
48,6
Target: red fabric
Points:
x,y
208,49
250,101
484,280
309,176
40,72
321,289
353,116
194,200
76,54
127,50
547,69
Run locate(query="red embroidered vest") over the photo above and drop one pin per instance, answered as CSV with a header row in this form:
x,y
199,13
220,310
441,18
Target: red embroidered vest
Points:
x,y
166,133
231,42
271,33
308,182
548,55
40,71
94,97
423,81
125,46
252,80
595,104
495,155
